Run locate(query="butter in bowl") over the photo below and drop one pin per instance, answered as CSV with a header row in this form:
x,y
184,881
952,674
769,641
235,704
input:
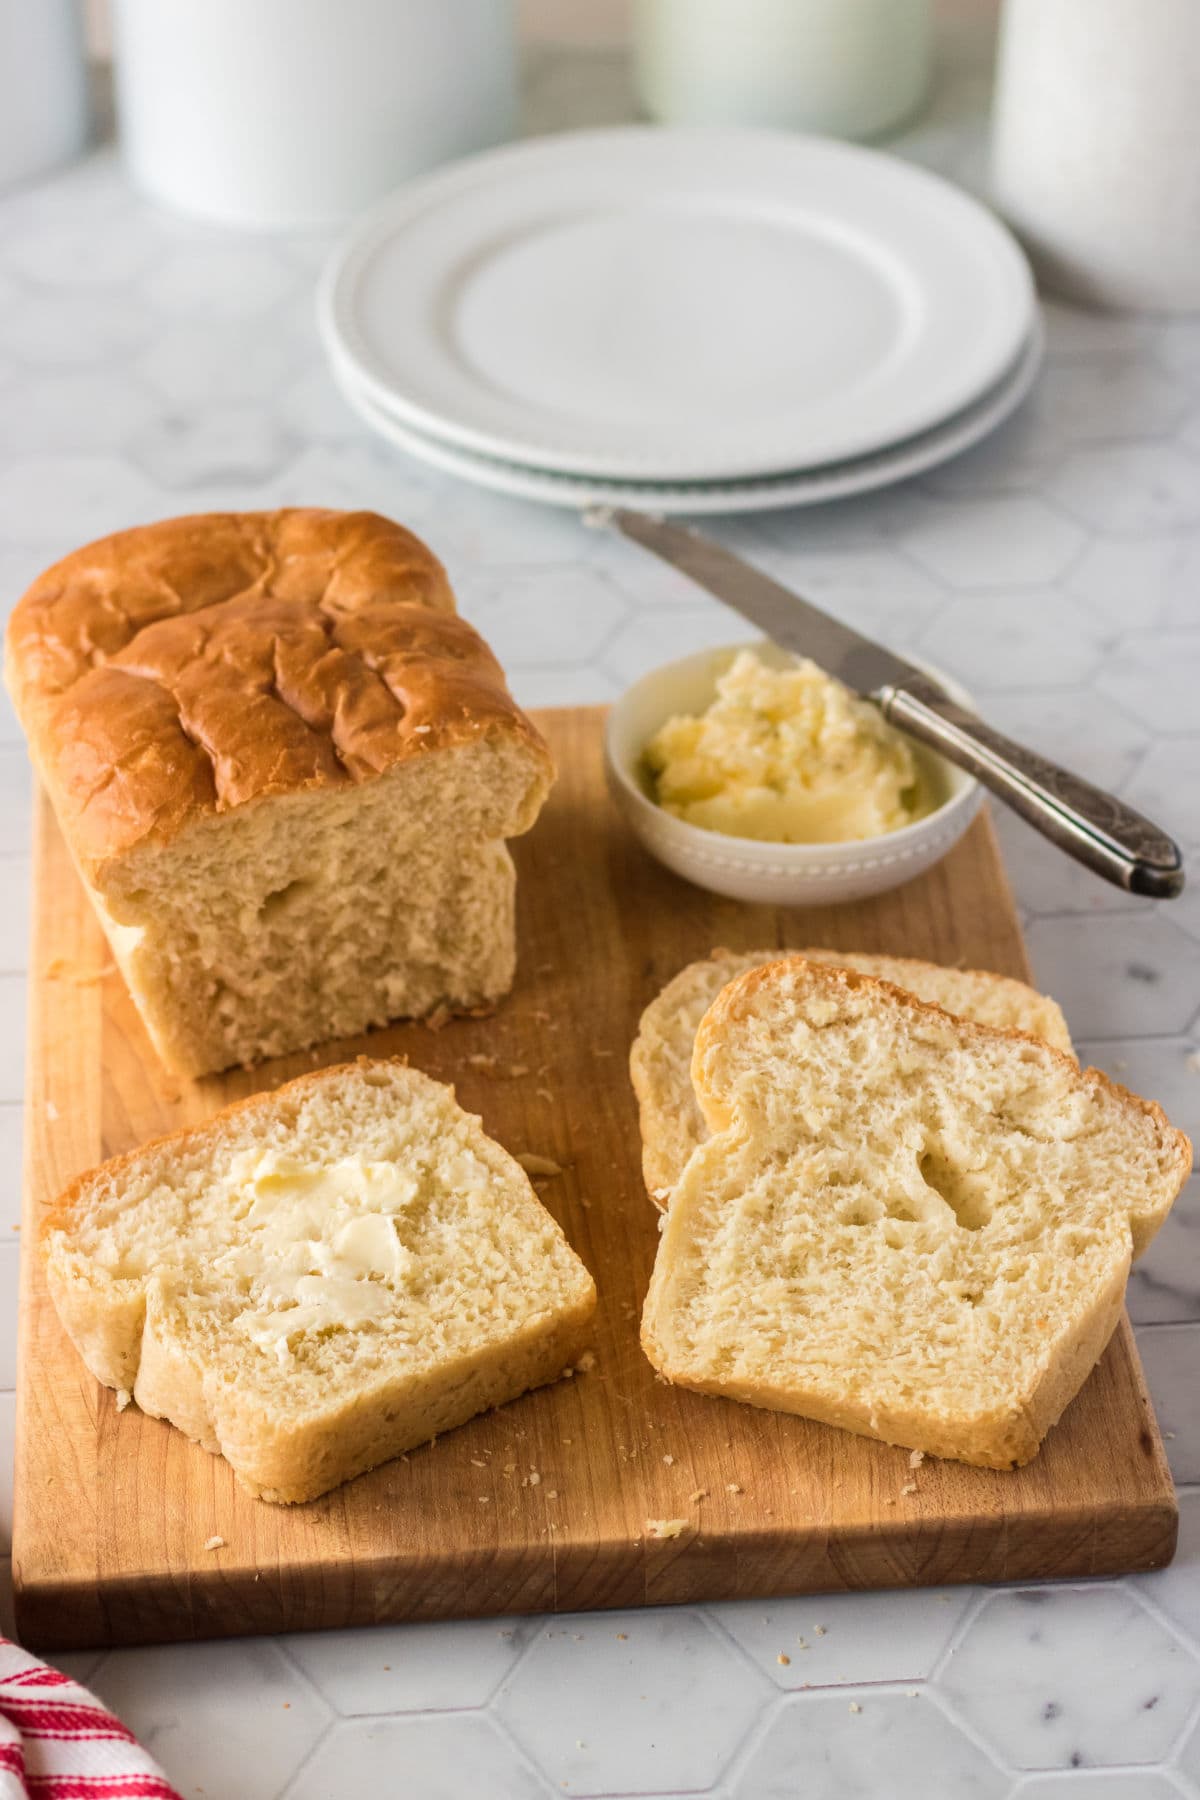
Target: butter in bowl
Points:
x,y
752,773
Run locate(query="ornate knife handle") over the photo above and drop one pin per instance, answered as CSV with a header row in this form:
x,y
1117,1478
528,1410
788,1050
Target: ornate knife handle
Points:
x,y
1094,827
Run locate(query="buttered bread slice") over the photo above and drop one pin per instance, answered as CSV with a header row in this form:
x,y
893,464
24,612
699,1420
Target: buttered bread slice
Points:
x,y
319,1278
903,1223
672,1124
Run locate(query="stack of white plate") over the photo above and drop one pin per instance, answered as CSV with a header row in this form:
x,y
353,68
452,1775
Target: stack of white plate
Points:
x,y
686,320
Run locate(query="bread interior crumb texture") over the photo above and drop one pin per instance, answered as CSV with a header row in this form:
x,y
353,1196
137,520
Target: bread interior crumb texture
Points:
x,y
322,914
902,1223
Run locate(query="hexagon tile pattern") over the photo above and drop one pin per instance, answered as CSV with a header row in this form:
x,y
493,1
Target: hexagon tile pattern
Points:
x,y
650,1702
1090,1676
150,365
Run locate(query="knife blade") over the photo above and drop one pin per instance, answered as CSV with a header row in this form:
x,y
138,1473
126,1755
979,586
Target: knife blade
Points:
x,y
1094,827
792,623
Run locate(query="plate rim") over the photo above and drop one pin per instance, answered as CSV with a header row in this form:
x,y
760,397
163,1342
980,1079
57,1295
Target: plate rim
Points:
x,y
342,274
902,461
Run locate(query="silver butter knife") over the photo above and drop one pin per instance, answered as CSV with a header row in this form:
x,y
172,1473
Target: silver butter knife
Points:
x,y
1095,828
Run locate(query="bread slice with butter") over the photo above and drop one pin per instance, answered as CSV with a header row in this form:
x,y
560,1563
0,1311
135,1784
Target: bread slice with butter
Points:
x,y
672,1124
319,1278
903,1223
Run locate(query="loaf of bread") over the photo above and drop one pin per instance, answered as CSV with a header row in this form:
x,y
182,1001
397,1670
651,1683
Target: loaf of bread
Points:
x,y
660,1061
903,1223
285,770
319,1278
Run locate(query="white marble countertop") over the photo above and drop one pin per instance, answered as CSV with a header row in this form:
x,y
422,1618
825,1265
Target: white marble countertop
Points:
x,y
150,366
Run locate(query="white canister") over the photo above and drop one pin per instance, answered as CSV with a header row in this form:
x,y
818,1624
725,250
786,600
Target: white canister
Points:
x,y
852,68
1096,146
302,112
45,114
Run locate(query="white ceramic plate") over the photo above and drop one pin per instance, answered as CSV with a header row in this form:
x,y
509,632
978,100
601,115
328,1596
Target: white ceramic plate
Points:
x,y
858,476
682,305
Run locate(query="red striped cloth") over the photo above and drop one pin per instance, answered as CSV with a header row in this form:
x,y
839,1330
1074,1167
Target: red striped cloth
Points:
x,y
58,1743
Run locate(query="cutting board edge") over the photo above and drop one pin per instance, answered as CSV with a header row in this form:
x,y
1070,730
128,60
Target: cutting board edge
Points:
x,y
120,1610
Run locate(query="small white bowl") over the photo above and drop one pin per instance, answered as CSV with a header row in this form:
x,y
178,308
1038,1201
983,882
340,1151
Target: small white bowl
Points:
x,y
747,868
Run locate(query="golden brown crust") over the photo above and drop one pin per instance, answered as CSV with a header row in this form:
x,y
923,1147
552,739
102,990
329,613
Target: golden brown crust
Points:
x,y
186,668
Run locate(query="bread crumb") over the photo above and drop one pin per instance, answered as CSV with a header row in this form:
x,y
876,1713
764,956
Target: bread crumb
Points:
x,y
552,1493
124,1399
485,1499
586,1362
819,1630
733,1487
535,1479
916,1458
516,1070
439,1018
51,1110
910,1487
855,1707
214,1543
912,1693
567,1441
548,1097
784,1660
603,1053
670,1461
538,1165
699,1495
477,1462
622,1637
485,1063
665,1528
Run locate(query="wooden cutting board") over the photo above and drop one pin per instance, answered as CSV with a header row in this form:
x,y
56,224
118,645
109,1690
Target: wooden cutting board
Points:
x,y
544,1504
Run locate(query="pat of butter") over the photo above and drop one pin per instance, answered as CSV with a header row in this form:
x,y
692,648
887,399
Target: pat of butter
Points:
x,y
318,1246
368,1245
788,756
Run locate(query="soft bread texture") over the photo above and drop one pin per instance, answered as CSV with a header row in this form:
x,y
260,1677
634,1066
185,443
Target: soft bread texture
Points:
x,y
906,1224
319,1278
285,770
672,1124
